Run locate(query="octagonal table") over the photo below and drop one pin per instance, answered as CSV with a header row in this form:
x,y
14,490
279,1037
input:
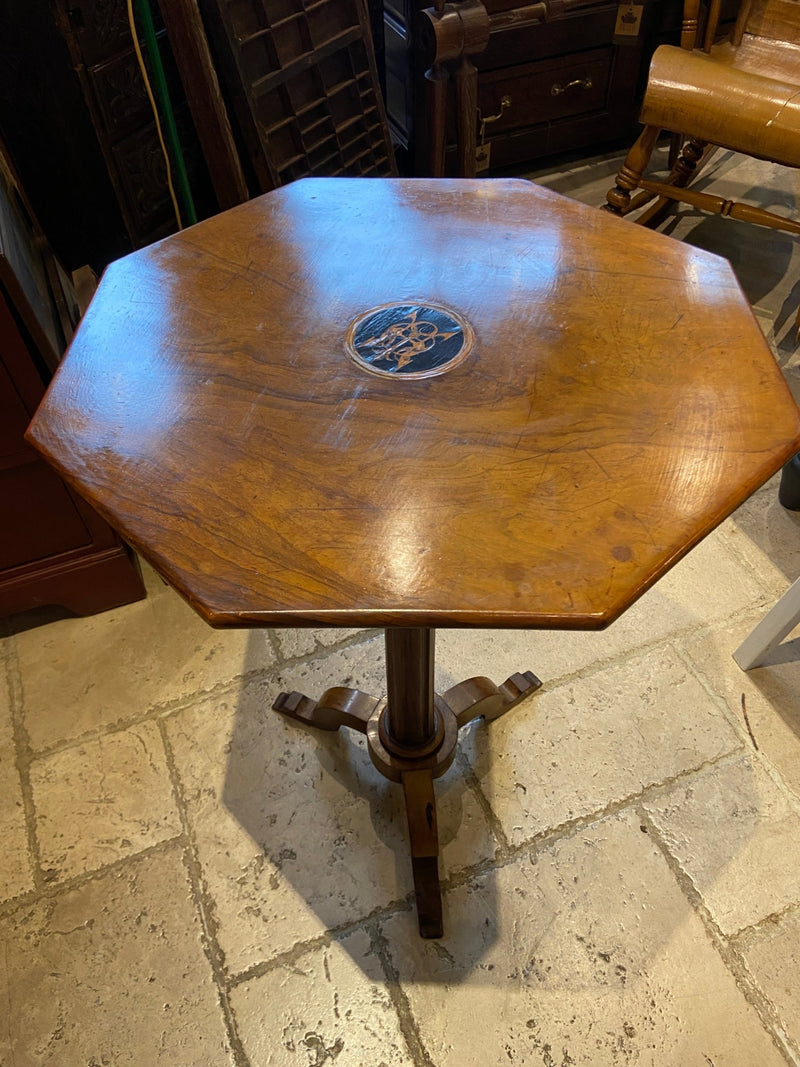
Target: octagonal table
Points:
x,y
413,404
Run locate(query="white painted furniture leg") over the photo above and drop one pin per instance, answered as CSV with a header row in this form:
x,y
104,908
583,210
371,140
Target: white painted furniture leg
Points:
x,y
776,624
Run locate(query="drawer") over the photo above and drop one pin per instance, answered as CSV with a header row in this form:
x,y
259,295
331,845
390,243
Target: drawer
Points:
x,y
545,91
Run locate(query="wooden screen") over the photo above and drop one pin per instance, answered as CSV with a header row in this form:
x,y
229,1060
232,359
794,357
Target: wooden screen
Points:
x,y
306,72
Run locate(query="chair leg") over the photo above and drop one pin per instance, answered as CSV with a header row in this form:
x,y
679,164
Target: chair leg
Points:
x,y
779,621
618,199
686,163
685,167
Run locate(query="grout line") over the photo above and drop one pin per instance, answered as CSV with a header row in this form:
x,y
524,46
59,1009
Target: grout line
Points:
x,y
153,714
408,1024
290,956
204,907
674,639
472,782
462,876
321,652
23,759
274,644
54,889
764,583
725,947
747,934
564,831
717,698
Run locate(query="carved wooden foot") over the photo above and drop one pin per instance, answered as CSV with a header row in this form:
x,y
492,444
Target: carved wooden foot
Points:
x,y
336,707
479,696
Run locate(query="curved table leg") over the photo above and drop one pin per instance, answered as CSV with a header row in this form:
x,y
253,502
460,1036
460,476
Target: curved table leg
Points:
x,y
479,696
336,707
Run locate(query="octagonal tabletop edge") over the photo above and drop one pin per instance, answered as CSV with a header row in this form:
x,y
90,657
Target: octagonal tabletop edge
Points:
x,y
414,402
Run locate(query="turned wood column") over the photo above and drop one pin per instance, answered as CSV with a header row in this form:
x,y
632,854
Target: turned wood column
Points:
x,y
409,721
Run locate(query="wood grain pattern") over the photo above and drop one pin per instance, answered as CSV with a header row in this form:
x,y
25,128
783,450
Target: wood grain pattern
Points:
x,y
619,402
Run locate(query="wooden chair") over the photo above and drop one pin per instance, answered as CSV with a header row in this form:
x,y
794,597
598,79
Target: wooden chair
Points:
x,y
741,94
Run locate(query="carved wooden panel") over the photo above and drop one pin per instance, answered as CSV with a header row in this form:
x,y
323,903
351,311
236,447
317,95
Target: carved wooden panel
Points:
x,y
120,94
100,43
100,27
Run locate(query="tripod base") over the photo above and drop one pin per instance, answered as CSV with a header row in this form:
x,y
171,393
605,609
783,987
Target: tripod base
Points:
x,y
413,748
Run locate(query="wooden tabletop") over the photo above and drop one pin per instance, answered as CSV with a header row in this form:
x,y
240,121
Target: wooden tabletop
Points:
x,y
600,398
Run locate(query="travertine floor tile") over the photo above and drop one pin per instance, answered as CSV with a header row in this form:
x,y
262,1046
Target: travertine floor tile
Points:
x,y
572,751
323,1007
768,538
726,824
708,585
305,642
81,675
588,955
768,695
296,830
15,870
102,801
111,973
772,954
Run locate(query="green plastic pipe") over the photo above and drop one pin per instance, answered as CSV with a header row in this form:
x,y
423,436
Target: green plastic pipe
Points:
x,y
167,114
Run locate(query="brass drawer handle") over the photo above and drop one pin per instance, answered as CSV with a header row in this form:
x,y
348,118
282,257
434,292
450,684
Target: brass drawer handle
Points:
x,y
504,104
583,83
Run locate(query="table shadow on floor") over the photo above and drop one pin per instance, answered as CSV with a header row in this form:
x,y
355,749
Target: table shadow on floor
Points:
x,y
330,828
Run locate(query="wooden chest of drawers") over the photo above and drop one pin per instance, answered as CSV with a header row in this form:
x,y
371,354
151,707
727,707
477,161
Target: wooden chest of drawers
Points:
x,y
554,77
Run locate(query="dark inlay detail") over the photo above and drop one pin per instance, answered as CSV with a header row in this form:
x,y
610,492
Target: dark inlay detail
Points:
x,y
412,340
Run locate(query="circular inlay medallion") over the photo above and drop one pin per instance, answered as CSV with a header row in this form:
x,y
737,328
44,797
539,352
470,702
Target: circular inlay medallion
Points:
x,y
411,340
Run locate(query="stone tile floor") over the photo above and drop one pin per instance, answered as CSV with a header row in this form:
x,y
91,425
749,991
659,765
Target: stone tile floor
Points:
x,y
187,879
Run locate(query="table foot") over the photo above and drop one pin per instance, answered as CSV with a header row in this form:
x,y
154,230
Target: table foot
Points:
x,y
423,834
479,696
336,707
